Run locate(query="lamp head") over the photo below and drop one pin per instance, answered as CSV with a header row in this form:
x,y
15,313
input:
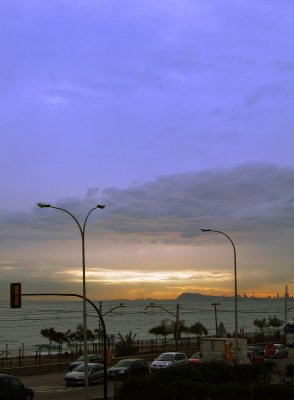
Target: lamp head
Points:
x,y
101,206
205,230
43,205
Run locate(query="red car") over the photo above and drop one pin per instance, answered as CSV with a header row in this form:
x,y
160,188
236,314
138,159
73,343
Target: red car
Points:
x,y
196,358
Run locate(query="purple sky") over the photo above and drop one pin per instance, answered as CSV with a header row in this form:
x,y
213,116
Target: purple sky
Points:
x,y
177,115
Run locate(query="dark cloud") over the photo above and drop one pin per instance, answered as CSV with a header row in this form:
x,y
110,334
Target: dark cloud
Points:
x,y
256,195
247,198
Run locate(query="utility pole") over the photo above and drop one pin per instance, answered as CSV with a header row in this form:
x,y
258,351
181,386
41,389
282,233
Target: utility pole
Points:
x,y
215,317
286,303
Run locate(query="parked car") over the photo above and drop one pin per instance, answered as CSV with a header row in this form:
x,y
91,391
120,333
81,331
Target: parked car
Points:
x,y
255,351
128,367
77,376
281,351
171,359
11,388
196,358
92,358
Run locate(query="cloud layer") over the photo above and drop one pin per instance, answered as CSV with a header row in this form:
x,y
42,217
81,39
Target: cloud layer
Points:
x,y
149,232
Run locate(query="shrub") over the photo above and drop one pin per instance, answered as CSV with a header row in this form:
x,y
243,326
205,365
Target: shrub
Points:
x,y
126,345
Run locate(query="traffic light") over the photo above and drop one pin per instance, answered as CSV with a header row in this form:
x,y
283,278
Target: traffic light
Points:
x,y
15,295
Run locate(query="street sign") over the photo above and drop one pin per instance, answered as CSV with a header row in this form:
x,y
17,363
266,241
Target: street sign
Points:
x,y
270,350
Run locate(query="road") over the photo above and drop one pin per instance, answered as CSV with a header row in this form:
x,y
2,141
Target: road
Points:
x,y
51,386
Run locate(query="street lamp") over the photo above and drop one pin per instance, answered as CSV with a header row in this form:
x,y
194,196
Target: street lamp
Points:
x,y
82,232
215,317
114,308
236,292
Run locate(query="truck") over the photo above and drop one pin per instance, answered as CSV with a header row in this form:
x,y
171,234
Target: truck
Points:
x,y
223,349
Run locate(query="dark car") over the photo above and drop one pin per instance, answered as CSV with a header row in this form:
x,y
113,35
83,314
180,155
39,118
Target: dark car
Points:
x,y
128,367
255,352
77,376
92,358
11,388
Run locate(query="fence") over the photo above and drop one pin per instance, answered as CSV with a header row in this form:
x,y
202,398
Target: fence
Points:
x,y
44,354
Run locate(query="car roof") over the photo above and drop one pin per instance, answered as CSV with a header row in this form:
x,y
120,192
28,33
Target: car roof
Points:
x,y
92,364
173,352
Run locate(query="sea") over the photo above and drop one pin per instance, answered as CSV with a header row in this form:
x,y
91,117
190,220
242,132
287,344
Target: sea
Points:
x,y
20,328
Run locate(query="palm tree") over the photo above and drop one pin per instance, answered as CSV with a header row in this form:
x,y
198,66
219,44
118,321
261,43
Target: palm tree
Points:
x,y
60,338
165,328
199,329
49,334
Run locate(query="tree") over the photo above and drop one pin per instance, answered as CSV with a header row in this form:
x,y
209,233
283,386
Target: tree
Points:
x,y
60,338
275,322
99,334
48,333
126,345
198,328
165,328
78,336
182,328
260,323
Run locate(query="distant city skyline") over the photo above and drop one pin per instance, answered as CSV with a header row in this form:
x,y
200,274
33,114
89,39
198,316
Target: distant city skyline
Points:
x,y
175,115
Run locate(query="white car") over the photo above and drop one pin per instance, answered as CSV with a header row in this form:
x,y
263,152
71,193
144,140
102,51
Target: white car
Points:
x,y
171,359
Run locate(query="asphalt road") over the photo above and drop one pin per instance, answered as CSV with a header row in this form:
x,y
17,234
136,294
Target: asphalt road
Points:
x,y
51,386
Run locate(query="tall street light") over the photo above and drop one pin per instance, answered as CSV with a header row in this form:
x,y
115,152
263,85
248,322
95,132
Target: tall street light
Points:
x,y
236,292
82,232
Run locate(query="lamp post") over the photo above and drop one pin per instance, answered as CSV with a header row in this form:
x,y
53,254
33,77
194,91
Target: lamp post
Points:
x,y
82,229
235,290
215,317
114,308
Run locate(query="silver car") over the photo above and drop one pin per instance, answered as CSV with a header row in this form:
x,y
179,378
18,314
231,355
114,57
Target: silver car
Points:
x,y
77,376
171,359
92,358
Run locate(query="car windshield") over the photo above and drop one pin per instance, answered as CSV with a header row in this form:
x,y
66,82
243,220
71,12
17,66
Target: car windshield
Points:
x,y
124,363
81,368
165,357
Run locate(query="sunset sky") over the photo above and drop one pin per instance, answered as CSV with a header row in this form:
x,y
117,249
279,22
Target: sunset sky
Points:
x,y
177,115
